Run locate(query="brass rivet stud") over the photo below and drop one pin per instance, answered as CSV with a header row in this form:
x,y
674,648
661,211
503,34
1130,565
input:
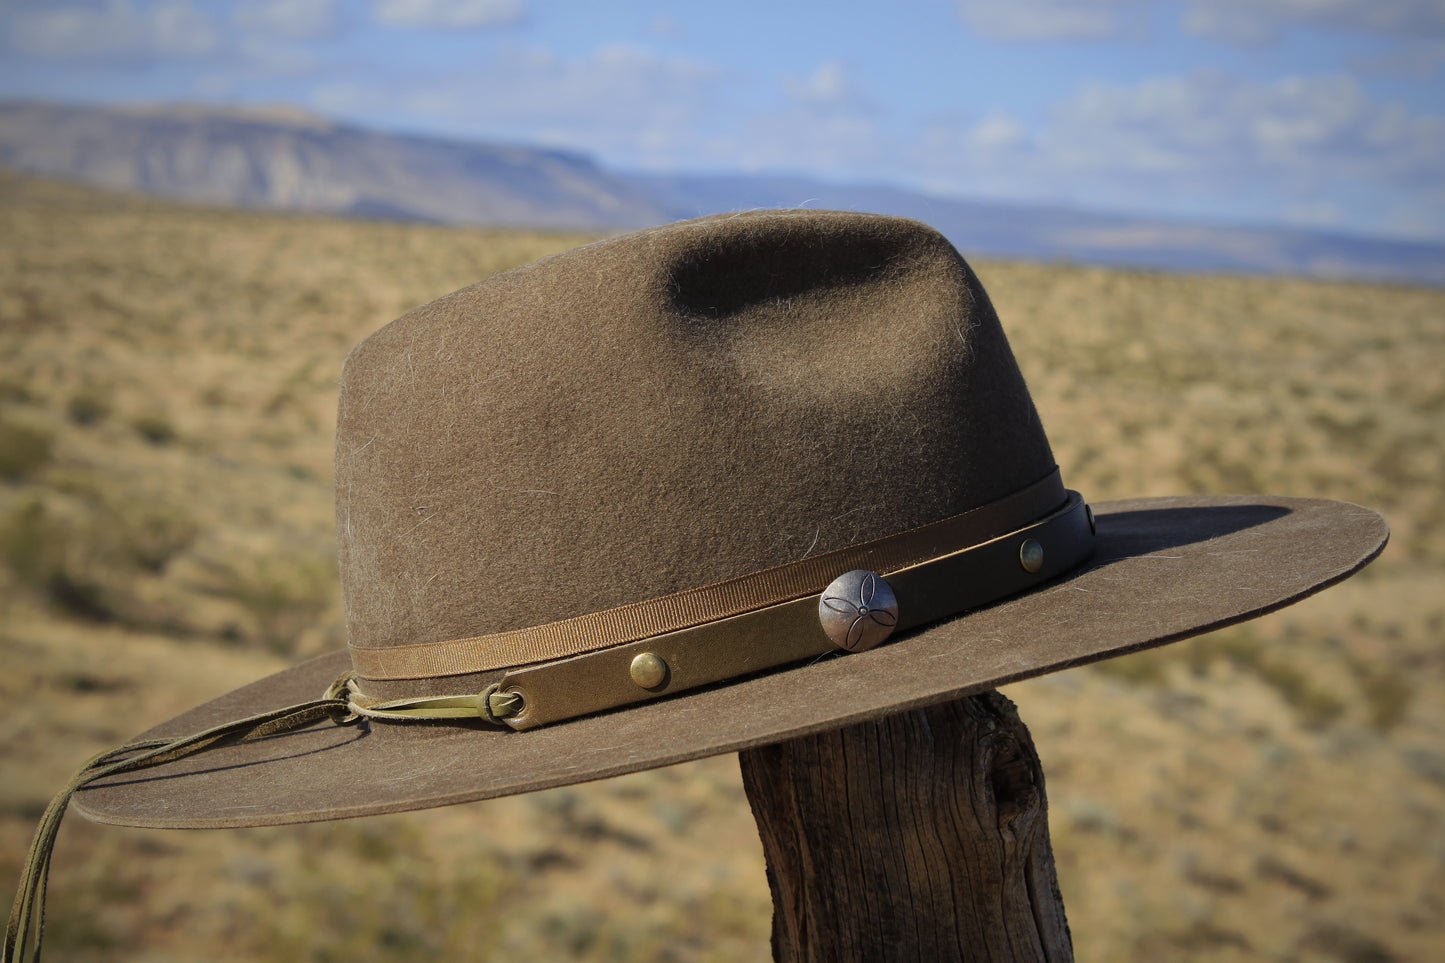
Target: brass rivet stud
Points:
x,y
1031,555
1089,514
649,671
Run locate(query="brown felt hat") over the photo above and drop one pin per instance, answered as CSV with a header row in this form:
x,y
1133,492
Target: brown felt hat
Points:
x,y
697,489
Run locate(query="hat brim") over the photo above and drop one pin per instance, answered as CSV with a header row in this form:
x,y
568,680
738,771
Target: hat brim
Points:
x,y
1165,569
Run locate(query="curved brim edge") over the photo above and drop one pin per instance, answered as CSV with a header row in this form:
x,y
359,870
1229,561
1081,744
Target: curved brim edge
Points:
x,y
1165,569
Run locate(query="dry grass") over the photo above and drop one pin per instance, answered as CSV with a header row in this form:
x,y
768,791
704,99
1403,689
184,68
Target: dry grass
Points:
x,y
167,392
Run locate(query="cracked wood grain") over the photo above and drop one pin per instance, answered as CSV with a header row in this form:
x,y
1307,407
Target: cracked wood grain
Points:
x,y
920,836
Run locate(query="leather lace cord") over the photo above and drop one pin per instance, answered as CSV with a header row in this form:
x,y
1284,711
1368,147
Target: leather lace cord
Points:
x,y
27,915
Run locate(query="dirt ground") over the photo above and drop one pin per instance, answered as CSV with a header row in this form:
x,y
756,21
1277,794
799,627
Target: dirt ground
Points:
x,y
167,389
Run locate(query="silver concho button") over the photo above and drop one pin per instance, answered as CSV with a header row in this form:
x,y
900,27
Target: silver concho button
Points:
x,y
858,610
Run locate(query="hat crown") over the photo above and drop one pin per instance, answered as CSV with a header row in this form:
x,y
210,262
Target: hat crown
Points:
x,y
666,410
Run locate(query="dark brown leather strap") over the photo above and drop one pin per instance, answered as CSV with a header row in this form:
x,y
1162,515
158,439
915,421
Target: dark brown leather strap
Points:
x,y
790,632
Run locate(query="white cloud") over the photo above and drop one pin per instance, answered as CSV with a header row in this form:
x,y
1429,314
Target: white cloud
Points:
x,y
621,101
1415,58
826,85
116,28
834,144
288,19
261,39
665,27
1263,21
1422,217
1417,25
1052,19
830,88
1311,149
827,123
636,108
1313,213
448,14
997,131
1208,126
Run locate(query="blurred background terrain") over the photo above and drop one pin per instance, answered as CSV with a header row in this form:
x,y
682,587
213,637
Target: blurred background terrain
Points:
x,y
167,390
1214,230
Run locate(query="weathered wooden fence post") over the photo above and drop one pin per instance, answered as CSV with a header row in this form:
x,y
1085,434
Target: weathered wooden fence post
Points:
x,y
920,836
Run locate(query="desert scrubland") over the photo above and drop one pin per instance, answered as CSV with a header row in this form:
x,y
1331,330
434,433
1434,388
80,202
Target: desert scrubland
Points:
x,y
168,374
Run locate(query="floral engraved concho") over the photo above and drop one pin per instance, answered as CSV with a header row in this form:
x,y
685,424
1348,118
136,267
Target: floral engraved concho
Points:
x,y
858,610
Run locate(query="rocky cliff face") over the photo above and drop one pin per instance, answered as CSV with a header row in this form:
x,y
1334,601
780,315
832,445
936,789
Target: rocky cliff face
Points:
x,y
287,159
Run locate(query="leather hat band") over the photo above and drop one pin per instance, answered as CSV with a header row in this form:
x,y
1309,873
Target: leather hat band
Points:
x,y
594,631
768,637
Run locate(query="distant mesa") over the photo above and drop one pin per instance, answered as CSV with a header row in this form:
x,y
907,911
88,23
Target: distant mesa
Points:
x,y
285,158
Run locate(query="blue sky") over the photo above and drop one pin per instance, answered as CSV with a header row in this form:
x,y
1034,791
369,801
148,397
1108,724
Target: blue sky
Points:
x,y
1322,113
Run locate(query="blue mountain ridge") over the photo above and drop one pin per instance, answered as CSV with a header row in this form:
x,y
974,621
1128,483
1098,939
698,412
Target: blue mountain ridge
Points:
x,y
286,159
